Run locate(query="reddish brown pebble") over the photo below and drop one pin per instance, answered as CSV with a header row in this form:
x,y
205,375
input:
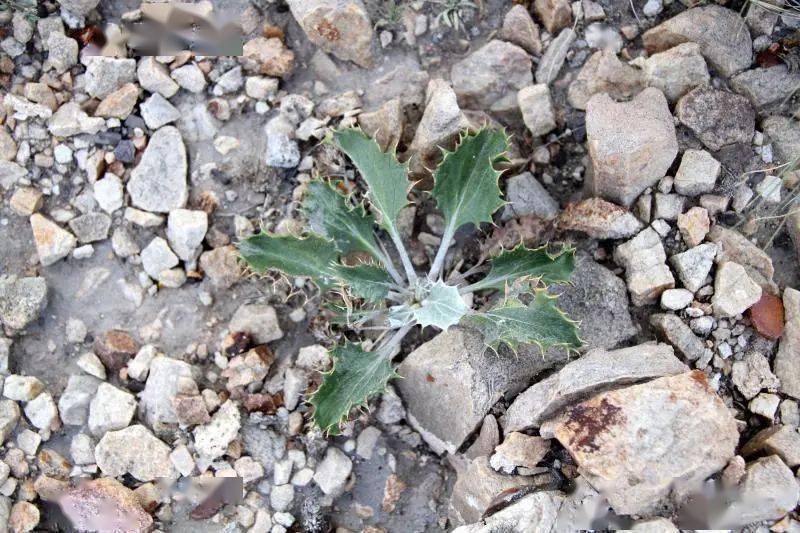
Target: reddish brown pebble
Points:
x,y
261,402
114,348
190,409
767,316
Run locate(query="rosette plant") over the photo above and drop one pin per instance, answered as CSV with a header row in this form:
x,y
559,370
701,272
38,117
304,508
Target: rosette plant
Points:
x,y
393,296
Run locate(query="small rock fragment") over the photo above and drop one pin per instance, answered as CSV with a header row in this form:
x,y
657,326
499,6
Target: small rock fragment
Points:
x,y
332,472
734,291
52,242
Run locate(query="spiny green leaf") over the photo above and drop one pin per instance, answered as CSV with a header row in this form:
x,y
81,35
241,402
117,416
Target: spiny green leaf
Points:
x,y
386,177
355,377
370,282
331,215
312,256
514,323
465,184
523,262
442,307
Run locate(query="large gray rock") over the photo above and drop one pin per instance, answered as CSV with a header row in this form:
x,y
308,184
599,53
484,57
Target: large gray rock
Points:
x,y
71,120
340,27
185,231
646,444
717,118
104,75
721,33
259,320
526,196
603,72
676,71
787,361
785,135
333,471
53,242
158,183
596,371
495,71
520,29
765,86
211,440
596,291
768,491
734,290
752,374
22,300
135,451
456,373
625,160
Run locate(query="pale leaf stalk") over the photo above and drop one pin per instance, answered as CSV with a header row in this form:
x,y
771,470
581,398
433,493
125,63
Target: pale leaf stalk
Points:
x,y
390,268
385,349
404,257
438,261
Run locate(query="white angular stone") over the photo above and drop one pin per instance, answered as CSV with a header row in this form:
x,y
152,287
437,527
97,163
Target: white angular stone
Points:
x,y
734,290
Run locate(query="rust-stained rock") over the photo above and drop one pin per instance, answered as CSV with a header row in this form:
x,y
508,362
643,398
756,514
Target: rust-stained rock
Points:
x,y
597,370
104,504
647,443
340,27
599,219
268,56
767,316
114,348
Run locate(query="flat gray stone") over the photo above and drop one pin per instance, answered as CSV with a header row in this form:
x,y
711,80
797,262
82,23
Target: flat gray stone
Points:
x,y
553,58
693,265
22,300
596,291
158,183
717,118
677,333
494,71
527,197
167,378
721,33
456,373
104,75
135,451
596,371
766,86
